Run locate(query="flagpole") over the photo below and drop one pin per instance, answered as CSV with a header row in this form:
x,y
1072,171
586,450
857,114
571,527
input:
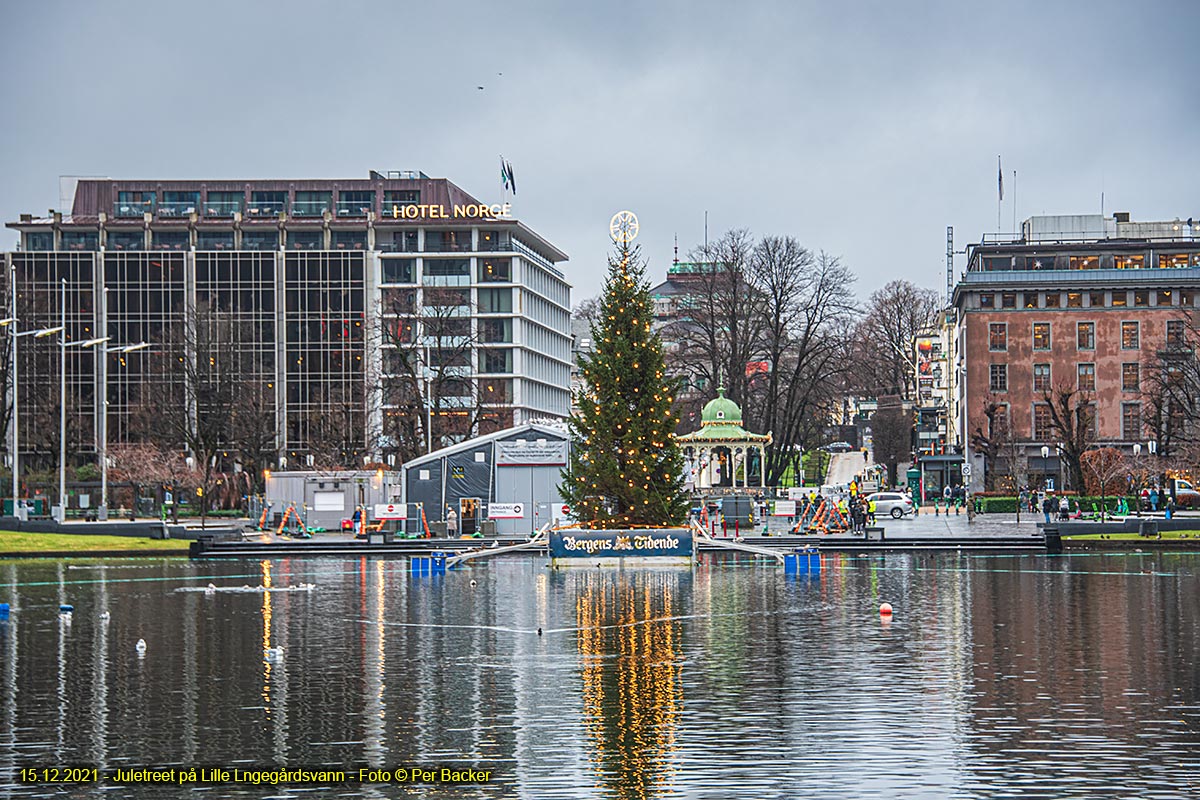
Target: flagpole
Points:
x,y
999,191
1014,201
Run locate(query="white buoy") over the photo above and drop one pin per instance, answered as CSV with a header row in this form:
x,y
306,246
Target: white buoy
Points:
x,y
104,616
210,589
885,610
273,654
140,647
473,583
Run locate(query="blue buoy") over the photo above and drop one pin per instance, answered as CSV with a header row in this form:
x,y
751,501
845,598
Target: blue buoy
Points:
x,y
65,609
3,610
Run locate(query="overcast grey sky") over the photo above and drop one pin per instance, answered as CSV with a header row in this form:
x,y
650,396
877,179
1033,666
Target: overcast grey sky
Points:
x,y
861,128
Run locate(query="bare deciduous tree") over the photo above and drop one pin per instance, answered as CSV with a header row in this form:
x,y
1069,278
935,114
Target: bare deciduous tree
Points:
x,y
895,315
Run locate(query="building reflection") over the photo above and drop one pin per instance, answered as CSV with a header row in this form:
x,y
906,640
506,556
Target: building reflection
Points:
x,y
630,655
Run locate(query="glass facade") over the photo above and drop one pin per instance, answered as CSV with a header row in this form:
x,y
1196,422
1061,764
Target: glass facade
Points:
x,y
309,329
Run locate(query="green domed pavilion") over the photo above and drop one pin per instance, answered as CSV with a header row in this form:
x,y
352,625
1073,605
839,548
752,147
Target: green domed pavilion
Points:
x,y
716,450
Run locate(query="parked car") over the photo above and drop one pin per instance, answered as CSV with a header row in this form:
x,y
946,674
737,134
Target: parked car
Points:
x,y
838,447
893,503
1186,496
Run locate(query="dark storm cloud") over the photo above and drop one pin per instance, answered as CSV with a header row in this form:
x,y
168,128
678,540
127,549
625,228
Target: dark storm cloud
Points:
x,y
861,128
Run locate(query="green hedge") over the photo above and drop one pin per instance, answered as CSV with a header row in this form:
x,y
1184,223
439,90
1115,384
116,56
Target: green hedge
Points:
x,y
1008,505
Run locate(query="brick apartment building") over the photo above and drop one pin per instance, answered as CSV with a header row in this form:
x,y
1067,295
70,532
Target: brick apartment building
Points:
x,y
1078,302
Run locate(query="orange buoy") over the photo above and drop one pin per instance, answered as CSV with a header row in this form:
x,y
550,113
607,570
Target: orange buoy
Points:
x,y
885,609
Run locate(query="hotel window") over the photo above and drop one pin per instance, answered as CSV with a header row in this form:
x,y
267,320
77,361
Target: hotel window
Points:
x,y
1141,298
495,390
1085,262
179,204
495,270
1130,336
1096,299
1186,298
80,240
1163,298
223,204
1120,299
447,267
1172,260
1086,374
1053,300
1129,262
1130,376
170,240
256,240
39,241
1029,300
998,336
1131,421
267,204
445,297
998,378
496,330
1041,336
447,241
214,240
356,203
312,204
134,204
126,240
1088,412
1085,336
494,240
1175,333
1043,427
399,270
500,360
1039,262
395,199
987,300
306,240
1074,300
349,240
1008,300
1041,377
495,301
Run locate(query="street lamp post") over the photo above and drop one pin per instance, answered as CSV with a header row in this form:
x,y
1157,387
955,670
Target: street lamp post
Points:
x,y
62,401
1137,497
1045,455
102,512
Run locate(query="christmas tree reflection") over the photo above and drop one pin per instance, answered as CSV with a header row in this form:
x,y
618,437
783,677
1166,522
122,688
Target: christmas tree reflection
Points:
x,y
632,691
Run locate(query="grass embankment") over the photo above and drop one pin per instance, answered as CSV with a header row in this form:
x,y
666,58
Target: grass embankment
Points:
x,y
1135,537
14,542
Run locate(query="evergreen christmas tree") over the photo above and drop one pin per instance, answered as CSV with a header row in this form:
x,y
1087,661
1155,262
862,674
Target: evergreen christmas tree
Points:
x,y
626,470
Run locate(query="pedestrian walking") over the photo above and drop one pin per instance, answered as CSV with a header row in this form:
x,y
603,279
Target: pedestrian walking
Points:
x,y
1048,506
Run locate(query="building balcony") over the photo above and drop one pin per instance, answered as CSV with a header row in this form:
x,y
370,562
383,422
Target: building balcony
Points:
x,y
132,210
433,246
446,280
352,208
224,210
180,208
310,208
266,208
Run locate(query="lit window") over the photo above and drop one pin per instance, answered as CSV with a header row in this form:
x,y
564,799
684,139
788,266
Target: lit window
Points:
x,y
1041,336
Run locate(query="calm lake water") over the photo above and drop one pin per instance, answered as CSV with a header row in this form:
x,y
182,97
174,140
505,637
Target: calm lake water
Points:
x,y
1025,676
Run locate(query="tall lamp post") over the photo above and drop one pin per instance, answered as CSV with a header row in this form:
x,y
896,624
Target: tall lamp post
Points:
x,y
62,401
1137,497
39,333
102,512
1045,455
